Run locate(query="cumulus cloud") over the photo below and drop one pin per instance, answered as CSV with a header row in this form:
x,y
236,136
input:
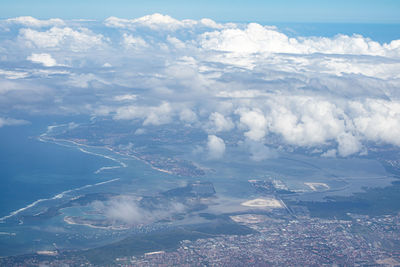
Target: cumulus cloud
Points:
x,y
156,115
348,144
176,42
256,38
188,116
155,22
377,120
159,22
260,89
133,42
215,146
256,123
124,210
45,59
56,37
128,210
219,123
304,120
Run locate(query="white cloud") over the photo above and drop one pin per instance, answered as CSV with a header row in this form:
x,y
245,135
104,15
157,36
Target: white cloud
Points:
x,y
219,123
133,42
348,144
156,115
33,22
377,120
85,80
215,146
331,153
14,74
116,22
21,91
155,22
56,37
256,38
188,116
140,131
256,85
255,122
210,23
11,122
305,121
127,210
159,22
258,151
45,59
176,42
127,97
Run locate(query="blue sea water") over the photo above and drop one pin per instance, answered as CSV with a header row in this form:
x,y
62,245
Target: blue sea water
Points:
x,y
32,170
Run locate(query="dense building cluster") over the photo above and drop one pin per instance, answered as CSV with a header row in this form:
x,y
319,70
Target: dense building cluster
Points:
x,y
291,242
284,241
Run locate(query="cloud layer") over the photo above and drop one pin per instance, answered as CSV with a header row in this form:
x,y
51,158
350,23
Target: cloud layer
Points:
x,y
244,85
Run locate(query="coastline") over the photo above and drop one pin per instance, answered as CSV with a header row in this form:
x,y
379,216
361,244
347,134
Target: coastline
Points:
x,y
69,220
57,196
44,138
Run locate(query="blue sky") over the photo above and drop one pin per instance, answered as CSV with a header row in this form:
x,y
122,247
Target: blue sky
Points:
x,y
364,11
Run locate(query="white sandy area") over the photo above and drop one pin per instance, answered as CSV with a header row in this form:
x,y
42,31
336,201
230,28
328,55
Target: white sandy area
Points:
x,y
317,186
249,218
70,221
263,203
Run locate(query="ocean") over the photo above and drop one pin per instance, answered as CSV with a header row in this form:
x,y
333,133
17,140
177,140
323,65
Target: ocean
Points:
x,y
31,170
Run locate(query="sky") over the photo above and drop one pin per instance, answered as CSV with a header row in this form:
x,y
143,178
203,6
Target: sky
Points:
x,y
339,11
